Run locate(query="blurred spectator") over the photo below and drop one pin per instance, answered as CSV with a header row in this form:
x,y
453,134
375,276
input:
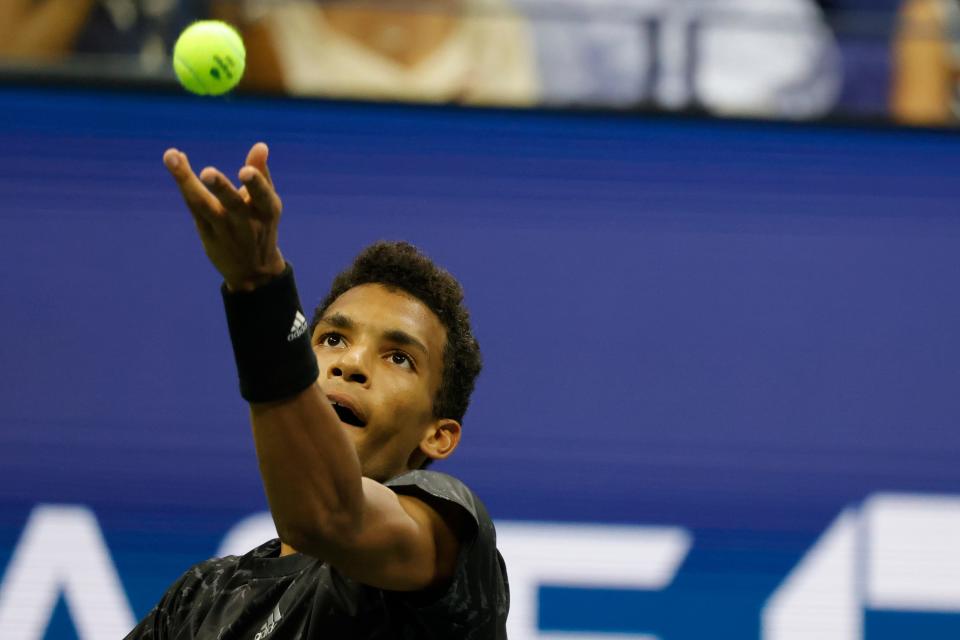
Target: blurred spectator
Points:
x,y
751,57
44,30
137,34
727,56
471,51
98,37
927,63
744,57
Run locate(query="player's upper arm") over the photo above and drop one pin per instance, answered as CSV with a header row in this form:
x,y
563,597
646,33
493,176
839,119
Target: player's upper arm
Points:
x,y
401,543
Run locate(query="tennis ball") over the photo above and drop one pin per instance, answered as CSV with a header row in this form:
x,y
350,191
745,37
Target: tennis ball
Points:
x,y
209,58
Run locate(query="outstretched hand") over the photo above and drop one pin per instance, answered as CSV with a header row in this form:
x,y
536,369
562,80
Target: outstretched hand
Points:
x,y
238,227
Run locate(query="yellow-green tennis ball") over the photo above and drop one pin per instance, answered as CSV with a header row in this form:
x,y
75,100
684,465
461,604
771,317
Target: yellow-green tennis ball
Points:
x,y
209,58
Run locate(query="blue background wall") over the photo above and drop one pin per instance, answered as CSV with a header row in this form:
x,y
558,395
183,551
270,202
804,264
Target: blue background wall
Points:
x,y
736,328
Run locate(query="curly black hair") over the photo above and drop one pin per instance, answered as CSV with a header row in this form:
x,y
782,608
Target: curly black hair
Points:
x,y
400,265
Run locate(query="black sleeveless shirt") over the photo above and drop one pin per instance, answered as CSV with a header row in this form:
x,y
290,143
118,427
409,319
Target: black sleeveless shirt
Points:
x,y
261,596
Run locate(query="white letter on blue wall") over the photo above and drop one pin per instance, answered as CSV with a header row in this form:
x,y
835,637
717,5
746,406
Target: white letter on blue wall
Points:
x,y
62,550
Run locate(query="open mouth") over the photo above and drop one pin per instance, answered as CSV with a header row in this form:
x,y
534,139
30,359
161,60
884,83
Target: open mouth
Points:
x,y
347,415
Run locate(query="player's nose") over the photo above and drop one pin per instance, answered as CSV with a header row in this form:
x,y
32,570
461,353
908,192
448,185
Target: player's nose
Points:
x,y
350,366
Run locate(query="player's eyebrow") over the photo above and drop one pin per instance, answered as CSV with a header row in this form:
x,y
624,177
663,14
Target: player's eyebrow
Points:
x,y
396,336
404,339
339,321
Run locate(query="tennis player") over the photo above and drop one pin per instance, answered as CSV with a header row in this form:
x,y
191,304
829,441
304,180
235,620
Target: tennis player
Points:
x,y
346,411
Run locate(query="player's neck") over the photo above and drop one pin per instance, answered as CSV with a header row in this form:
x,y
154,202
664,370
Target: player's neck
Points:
x,y
286,550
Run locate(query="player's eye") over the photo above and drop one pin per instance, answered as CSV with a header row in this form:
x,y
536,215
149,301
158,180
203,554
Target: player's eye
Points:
x,y
401,359
332,339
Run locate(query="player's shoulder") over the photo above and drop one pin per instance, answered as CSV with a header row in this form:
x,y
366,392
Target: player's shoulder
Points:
x,y
436,488
430,481
455,502
477,596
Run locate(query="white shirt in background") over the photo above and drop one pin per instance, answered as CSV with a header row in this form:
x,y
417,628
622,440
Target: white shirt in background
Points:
x,y
488,58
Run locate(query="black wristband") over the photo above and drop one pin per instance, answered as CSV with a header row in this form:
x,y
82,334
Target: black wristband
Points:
x,y
271,339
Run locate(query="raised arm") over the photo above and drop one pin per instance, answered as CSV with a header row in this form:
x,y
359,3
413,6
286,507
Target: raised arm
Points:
x,y
321,504
323,507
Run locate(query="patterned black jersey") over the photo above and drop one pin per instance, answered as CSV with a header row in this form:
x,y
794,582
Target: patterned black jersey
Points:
x,y
261,596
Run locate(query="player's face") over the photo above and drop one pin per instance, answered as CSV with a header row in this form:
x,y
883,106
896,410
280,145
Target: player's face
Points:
x,y
380,353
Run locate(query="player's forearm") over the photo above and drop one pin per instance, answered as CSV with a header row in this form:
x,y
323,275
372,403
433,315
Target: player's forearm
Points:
x,y
310,471
308,463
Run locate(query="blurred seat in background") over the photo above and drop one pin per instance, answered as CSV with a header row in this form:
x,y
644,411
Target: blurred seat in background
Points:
x,y
743,57
926,88
469,51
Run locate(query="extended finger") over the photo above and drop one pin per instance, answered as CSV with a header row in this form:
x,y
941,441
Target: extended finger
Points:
x,y
257,158
262,196
221,187
200,201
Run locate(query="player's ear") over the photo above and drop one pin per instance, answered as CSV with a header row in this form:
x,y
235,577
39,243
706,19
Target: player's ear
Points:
x,y
441,439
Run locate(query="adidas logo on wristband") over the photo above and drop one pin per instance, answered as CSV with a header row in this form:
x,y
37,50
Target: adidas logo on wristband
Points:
x,y
298,328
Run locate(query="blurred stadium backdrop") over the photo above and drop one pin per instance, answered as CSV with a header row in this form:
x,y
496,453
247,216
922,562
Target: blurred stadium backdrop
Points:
x,y
722,357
